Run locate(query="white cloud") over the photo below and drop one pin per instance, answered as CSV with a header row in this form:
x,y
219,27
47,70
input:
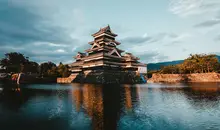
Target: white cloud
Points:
x,y
180,38
67,15
41,29
60,51
209,23
145,35
185,8
10,48
152,56
204,16
49,44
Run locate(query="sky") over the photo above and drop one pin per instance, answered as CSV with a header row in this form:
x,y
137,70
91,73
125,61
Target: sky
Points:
x,y
153,30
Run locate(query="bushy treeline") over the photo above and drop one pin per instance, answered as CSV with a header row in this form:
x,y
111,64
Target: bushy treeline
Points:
x,y
198,63
15,62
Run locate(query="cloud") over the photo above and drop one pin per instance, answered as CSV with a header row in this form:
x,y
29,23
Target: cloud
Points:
x,y
178,39
164,38
136,39
20,26
152,57
39,29
41,54
60,51
217,38
49,44
205,14
186,8
208,23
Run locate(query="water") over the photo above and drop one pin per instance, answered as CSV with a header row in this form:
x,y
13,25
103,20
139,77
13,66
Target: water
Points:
x,y
110,107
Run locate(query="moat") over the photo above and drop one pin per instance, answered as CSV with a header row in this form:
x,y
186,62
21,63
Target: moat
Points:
x,y
122,107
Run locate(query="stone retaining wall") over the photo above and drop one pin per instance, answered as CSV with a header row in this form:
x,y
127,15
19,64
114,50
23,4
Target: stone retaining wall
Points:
x,y
196,77
67,80
102,77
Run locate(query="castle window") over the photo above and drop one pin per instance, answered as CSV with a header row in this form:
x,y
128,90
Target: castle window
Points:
x,y
112,44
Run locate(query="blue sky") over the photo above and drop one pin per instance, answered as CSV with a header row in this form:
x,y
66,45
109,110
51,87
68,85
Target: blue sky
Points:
x,y
154,30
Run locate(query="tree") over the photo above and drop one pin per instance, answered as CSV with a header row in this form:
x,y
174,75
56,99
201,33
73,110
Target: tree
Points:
x,y
31,67
171,69
16,62
46,68
13,62
198,63
53,72
63,70
211,63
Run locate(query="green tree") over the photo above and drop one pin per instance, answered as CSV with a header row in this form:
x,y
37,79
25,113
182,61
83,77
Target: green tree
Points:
x,y
53,72
198,63
13,62
47,68
63,70
171,69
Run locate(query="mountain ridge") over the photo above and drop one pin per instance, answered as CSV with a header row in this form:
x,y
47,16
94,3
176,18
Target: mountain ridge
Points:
x,y
157,66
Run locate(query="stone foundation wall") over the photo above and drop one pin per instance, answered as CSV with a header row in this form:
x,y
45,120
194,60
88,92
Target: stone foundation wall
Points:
x,y
196,77
67,80
103,77
64,80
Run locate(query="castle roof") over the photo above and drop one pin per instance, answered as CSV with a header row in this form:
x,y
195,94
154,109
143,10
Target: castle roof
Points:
x,y
106,30
80,55
130,56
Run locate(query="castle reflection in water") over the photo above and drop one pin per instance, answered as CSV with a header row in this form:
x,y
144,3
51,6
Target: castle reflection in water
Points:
x,y
105,105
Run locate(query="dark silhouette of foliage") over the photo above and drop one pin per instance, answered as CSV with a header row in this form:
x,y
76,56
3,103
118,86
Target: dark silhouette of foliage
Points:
x,y
30,67
48,69
15,62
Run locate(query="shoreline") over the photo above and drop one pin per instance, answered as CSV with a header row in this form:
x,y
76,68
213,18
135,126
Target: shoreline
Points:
x,y
185,78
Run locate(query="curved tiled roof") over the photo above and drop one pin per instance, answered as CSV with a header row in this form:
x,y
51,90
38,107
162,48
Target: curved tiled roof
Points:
x,y
104,30
131,56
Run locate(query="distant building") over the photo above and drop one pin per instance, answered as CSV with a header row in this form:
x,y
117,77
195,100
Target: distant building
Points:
x,y
105,58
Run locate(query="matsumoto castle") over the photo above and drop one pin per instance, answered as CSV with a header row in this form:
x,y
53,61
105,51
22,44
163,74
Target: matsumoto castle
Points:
x,y
103,62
